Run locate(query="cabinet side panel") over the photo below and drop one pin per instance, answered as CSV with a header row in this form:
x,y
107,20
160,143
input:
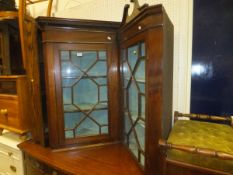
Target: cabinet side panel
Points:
x,y
114,92
167,77
50,94
154,99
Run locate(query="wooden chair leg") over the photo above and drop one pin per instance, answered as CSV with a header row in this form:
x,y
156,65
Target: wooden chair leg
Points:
x,y
1,131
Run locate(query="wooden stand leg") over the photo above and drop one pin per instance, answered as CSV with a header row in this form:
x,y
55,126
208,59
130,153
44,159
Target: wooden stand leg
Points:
x,y
1,131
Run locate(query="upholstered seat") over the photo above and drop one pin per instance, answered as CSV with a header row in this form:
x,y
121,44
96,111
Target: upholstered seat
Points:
x,y
202,135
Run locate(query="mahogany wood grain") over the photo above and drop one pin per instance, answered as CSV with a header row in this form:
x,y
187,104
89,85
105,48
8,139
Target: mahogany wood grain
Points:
x,y
104,160
51,23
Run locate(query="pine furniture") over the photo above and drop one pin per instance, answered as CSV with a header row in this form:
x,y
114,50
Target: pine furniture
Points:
x,y
14,102
10,155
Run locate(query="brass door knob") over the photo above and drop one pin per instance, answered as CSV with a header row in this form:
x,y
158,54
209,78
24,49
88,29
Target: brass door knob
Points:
x,y
3,111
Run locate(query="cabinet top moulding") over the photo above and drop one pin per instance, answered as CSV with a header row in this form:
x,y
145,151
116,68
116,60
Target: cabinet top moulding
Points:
x,y
152,17
145,11
68,23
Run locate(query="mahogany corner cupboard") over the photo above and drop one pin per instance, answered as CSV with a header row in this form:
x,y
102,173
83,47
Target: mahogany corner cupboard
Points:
x,y
110,82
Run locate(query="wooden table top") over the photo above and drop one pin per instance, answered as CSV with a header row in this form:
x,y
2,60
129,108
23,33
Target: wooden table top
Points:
x,y
112,159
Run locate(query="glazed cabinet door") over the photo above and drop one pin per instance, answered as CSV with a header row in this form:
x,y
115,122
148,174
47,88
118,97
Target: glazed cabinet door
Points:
x,y
81,91
133,75
84,82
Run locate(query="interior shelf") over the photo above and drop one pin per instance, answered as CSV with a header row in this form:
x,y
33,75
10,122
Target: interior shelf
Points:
x,y
84,107
85,76
137,79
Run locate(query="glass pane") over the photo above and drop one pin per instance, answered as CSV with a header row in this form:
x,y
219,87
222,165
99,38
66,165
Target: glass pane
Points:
x,y
85,92
103,93
69,134
67,96
102,55
69,70
101,81
99,69
133,144
104,129
142,107
134,100
65,55
101,105
70,108
69,82
88,128
126,71
73,119
140,130
84,60
85,99
133,56
141,87
143,50
140,72
100,116
128,123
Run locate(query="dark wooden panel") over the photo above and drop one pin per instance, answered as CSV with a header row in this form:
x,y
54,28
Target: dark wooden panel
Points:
x,y
77,23
105,160
50,93
114,92
76,36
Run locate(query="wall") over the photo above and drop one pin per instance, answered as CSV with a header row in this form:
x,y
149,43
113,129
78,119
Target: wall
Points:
x,y
180,12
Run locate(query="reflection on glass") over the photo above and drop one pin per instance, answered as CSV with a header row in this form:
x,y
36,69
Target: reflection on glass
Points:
x,y
84,87
132,56
140,72
202,70
133,70
102,55
83,60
